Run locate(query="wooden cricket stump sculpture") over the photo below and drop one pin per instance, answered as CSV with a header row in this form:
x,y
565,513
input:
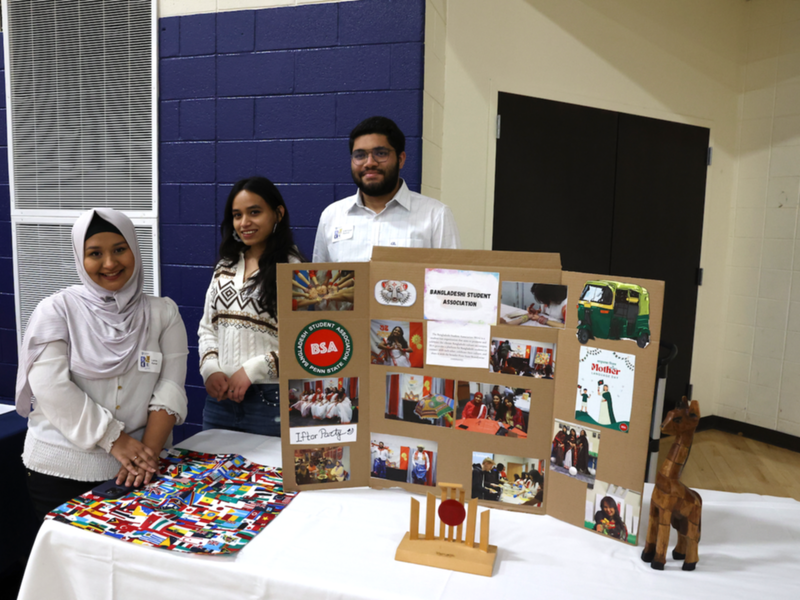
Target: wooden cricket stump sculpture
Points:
x,y
673,503
448,550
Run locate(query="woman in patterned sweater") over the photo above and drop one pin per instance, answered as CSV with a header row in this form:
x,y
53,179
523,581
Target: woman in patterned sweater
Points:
x,y
239,330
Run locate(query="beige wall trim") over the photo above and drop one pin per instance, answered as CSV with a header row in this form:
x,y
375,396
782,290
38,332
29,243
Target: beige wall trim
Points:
x,y
182,8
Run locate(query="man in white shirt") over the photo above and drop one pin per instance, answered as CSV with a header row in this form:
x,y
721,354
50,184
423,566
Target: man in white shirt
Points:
x,y
384,212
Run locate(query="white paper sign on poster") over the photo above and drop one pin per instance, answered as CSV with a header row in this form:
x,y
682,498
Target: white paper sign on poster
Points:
x,y
605,388
323,434
453,344
454,295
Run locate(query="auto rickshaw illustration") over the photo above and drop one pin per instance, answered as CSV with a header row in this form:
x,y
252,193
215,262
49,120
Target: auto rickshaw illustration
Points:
x,y
611,310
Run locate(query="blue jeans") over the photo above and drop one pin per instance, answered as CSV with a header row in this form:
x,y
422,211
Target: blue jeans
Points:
x,y
259,412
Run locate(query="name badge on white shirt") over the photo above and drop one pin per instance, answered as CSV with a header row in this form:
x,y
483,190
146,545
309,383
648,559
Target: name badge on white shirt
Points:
x,y
343,233
149,361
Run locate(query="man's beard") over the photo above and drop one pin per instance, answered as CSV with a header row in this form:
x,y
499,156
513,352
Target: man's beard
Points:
x,y
390,179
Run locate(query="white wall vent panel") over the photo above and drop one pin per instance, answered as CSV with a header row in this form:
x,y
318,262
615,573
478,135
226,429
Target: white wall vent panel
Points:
x,y
46,265
81,98
81,94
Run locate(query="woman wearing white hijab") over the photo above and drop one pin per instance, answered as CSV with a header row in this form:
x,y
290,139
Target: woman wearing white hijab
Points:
x,y
101,370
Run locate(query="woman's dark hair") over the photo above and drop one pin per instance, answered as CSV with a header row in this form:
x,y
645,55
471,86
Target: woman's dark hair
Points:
x,y
280,244
500,412
398,338
547,293
609,501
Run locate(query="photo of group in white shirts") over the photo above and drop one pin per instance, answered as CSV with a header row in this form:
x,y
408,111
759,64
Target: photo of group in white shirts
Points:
x,y
328,401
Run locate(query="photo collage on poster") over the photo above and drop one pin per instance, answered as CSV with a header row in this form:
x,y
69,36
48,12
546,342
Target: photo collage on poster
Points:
x,y
321,403
464,362
461,310
411,397
604,392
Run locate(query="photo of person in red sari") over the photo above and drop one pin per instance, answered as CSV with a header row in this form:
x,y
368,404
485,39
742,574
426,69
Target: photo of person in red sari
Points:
x,y
396,343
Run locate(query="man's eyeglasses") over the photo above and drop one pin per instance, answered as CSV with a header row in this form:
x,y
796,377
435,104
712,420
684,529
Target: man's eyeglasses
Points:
x,y
380,154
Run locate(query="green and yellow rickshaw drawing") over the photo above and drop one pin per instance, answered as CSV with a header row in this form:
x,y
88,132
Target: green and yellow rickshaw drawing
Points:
x,y
611,311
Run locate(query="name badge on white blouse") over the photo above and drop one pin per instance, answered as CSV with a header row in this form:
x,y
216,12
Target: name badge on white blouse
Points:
x,y
343,233
149,361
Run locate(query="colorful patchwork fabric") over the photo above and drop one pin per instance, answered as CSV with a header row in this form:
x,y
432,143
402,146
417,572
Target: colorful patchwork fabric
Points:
x,y
202,503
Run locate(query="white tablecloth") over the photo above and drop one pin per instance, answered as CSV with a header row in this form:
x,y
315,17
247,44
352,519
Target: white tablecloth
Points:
x,y
341,544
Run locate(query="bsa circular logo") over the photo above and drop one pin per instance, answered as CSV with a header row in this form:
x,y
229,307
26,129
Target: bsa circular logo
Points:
x,y
323,348
623,427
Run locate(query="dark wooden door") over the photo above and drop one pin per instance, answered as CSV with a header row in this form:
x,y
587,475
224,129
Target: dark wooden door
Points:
x,y
555,172
613,193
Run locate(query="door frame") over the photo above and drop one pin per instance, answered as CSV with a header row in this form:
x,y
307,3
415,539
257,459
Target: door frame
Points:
x,y
704,299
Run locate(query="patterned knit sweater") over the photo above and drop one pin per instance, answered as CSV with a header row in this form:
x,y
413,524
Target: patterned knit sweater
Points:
x,y
233,332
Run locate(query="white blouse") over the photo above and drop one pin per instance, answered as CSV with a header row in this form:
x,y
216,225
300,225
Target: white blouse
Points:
x,y
75,420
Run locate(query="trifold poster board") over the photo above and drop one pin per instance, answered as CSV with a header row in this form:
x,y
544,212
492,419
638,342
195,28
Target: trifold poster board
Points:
x,y
468,367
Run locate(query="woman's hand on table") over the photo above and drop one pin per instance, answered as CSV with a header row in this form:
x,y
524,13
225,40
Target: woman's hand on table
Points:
x,y
238,385
125,477
217,385
137,460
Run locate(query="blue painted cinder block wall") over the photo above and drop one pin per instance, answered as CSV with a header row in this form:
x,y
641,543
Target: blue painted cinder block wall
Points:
x,y
273,92
8,327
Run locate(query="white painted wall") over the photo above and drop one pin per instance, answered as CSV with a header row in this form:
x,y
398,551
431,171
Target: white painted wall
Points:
x,y
760,375
433,97
679,60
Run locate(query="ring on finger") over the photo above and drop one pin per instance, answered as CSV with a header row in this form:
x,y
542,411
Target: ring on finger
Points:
x,y
134,459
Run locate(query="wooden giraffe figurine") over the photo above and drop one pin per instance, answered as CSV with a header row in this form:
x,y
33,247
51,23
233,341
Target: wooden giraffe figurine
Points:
x,y
673,503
